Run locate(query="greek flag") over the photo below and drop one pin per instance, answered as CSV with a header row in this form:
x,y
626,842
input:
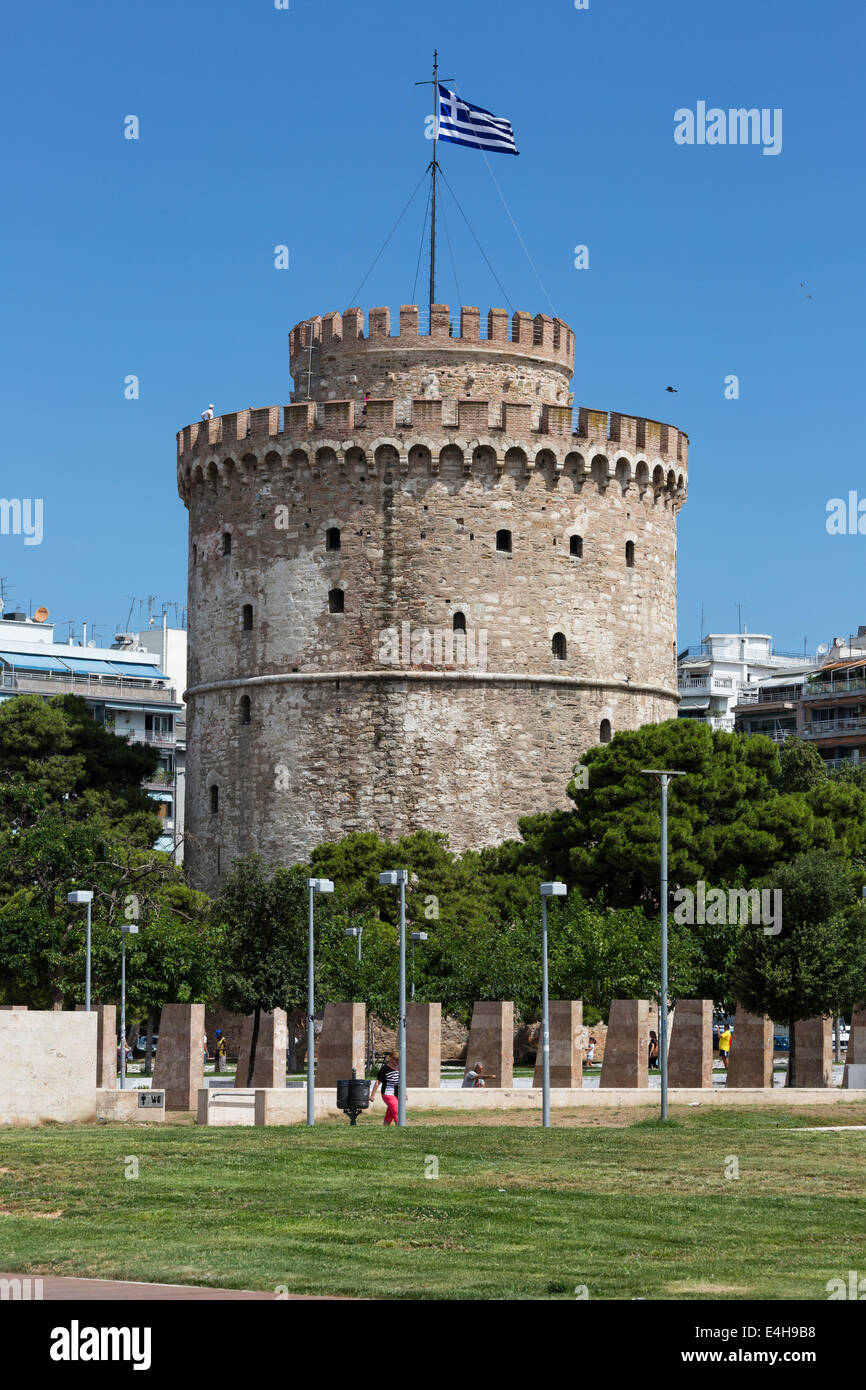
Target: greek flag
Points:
x,y
461,123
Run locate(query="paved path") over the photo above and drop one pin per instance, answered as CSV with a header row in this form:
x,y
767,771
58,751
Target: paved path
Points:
x,y
826,1129
58,1289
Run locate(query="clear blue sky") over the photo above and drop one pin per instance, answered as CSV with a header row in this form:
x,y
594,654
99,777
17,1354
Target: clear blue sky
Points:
x,y
261,126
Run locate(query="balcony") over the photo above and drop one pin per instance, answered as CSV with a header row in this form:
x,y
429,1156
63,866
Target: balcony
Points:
x,y
833,689
705,685
159,780
146,736
91,687
777,735
825,728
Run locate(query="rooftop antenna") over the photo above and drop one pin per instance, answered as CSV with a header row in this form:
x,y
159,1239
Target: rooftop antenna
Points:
x,y
739,617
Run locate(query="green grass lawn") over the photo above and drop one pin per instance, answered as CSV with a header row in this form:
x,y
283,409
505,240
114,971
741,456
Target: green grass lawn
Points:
x,y
626,1208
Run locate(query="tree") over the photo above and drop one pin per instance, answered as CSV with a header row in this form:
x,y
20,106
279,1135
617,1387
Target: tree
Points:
x,y
730,820
802,767
175,957
264,919
72,813
816,964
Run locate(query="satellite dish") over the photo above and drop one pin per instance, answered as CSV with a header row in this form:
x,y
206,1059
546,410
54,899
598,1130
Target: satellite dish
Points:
x,y
91,643
40,615
822,650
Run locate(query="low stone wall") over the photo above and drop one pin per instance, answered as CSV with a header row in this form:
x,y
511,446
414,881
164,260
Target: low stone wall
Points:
x,y
124,1107
47,1066
289,1107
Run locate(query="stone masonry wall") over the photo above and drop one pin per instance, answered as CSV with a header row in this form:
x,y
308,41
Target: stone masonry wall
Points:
x,y
315,723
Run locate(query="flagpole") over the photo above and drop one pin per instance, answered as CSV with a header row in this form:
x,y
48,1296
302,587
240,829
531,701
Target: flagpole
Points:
x,y
433,199
434,165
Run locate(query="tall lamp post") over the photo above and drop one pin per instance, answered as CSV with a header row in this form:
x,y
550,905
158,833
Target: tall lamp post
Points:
x,y
314,885
84,895
398,878
663,776
548,890
126,929
415,936
358,932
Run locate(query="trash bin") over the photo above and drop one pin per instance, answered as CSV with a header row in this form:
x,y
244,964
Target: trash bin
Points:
x,y
353,1096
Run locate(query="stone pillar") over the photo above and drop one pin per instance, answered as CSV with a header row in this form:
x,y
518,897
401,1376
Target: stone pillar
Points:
x,y
423,1044
271,1048
690,1056
342,1043
106,1043
179,1066
751,1060
813,1040
626,1045
491,1041
855,1057
566,1044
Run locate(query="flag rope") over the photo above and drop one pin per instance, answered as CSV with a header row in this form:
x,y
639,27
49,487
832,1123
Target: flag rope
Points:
x,y
421,246
451,254
511,219
475,239
388,238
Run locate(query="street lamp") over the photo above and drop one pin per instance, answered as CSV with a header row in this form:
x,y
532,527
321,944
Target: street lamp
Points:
x,y
84,895
355,931
663,777
392,879
314,885
548,890
416,936
126,929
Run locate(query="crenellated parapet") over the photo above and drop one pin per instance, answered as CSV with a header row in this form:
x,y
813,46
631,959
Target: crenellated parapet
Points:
x,y
488,356
523,334
305,420
604,448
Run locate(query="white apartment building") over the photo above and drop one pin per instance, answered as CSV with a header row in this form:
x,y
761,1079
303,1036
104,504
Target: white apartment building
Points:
x,y
132,688
711,678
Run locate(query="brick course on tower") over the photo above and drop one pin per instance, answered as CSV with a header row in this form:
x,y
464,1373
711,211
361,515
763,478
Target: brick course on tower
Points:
x,y
418,485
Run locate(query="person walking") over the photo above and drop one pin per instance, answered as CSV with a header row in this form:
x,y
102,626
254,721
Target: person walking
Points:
x,y
220,1050
653,1051
725,1038
388,1079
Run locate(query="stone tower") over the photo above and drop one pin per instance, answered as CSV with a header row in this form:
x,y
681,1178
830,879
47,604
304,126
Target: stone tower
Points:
x,y
421,590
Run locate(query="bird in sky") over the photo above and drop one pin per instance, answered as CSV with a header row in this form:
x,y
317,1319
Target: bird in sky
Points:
x,y
671,388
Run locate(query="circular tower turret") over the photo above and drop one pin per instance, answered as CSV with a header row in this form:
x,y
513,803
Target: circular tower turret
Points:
x,y
419,591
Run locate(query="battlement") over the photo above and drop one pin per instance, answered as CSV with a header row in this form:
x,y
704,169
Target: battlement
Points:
x,y
374,419
539,336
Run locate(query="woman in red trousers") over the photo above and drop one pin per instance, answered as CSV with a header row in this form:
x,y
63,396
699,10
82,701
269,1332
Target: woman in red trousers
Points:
x,y
388,1079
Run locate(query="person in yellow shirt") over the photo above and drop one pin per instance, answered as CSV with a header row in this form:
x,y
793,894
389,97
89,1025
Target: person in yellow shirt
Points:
x,y
725,1038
